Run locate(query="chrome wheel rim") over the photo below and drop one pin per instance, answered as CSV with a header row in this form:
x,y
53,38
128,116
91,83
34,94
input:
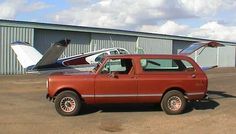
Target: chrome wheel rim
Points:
x,y
67,104
174,103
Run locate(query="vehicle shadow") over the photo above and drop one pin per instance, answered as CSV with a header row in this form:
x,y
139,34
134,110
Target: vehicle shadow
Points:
x,y
205,104
89,109
201,105
220,95
210,103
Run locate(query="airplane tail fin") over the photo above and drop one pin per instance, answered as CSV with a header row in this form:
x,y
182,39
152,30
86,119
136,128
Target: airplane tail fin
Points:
x,y
27,55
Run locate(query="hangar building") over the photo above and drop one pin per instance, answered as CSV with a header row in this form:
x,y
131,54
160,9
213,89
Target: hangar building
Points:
x,y
85,39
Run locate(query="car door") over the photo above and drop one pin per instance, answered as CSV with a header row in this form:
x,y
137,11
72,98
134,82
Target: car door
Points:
x,y
115,85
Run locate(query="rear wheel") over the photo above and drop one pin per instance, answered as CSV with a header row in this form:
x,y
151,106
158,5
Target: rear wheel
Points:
x,y
173,102
68,103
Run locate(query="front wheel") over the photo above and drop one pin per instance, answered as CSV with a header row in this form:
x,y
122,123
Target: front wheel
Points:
x,y
67,103
173,102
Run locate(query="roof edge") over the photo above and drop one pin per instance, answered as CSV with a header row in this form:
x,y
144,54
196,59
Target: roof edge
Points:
x,y
51,26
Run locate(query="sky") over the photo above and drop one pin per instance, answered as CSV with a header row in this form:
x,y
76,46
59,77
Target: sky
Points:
x,y
211,19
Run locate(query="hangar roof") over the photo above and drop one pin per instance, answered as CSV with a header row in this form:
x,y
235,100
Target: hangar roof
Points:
x,y
51,26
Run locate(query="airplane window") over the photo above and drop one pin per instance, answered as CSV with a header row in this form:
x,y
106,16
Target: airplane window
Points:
x,y
122,51
100,57
114,52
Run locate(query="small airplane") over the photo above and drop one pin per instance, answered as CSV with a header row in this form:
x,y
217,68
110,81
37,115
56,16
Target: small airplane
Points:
x,y
34,62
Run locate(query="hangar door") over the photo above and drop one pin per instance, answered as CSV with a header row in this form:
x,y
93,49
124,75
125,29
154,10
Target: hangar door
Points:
x,y
8,59
155,46
100,41
80,41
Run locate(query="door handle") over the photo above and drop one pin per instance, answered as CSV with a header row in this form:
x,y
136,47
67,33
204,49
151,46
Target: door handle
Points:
x,y
193,75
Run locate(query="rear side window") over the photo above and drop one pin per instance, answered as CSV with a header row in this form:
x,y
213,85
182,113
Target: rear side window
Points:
x,y
149,65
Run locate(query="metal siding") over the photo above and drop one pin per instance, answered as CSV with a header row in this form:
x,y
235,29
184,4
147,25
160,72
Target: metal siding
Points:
x,y
9,63
226,57
48,26
208,57
155,46
80,42
100,41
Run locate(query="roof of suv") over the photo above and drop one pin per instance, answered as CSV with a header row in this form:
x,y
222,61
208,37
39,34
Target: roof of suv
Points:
x,y
150,56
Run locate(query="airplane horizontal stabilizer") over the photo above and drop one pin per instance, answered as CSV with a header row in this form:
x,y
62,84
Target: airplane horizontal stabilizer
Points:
x,y
27,55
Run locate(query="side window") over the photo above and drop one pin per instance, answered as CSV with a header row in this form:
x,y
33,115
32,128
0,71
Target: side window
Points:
x,y
189,66
100,57
120,66
149,65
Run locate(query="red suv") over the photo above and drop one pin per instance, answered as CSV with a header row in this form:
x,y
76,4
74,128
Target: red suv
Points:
x,y
170,80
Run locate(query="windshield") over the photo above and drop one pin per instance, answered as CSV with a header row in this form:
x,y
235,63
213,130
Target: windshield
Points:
x,y
98,64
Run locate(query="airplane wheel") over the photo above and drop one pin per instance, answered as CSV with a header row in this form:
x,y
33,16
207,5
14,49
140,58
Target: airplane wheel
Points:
x,y
67,103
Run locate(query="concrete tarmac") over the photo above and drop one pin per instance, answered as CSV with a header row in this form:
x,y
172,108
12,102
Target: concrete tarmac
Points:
x,y
25,110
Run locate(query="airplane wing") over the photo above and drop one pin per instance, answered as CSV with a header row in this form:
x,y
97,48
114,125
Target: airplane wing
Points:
x,y
53,53
196,46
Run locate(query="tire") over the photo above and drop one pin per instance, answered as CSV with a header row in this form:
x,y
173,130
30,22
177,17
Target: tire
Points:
x,y
68,103
173,102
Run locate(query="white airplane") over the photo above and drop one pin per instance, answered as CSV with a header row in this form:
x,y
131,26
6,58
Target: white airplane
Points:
x,y
35,62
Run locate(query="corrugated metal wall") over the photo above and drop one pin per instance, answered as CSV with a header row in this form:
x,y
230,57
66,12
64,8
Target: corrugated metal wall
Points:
x,y
80,41
208,57
9,63
227,56
100,41
155,46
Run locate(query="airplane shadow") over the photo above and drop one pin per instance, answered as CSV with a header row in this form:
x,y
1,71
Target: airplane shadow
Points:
x,y
205,104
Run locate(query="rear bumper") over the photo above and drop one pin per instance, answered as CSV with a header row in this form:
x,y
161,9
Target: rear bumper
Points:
x,y
206,97
196,96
